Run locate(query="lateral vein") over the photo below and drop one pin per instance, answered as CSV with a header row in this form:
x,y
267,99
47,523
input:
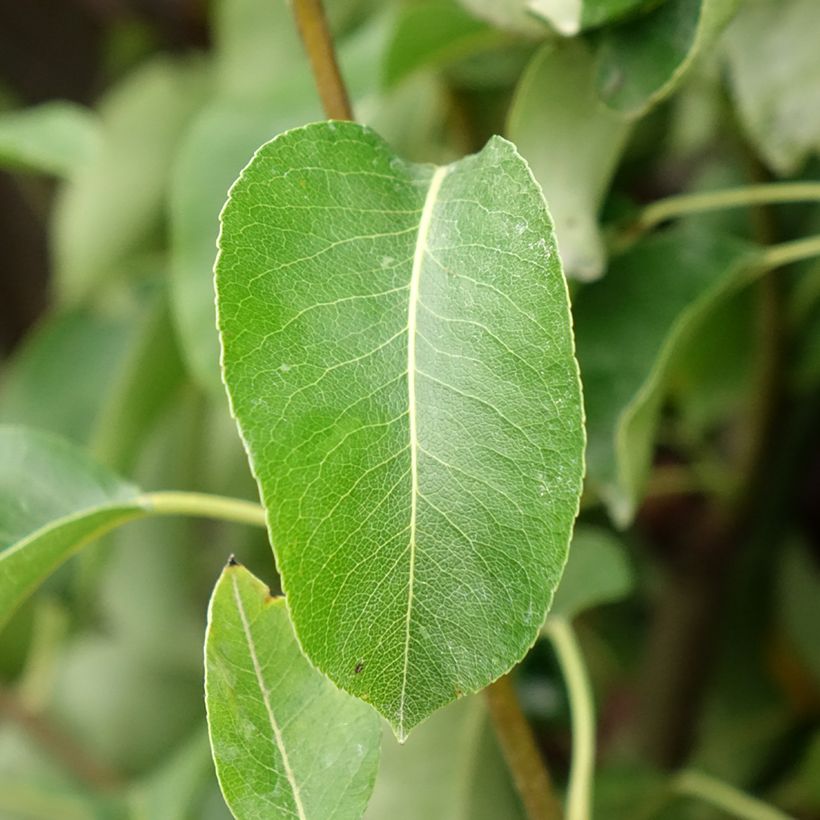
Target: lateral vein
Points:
x,y
412,311
277,733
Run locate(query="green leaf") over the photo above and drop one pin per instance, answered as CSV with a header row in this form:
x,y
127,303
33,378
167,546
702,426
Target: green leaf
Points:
x,y
596,573
450,768
642,61
398,353
286,742
434,33
511,15
775,77
573,144
42,386
53,500
652,297
111,206
54,138
568,17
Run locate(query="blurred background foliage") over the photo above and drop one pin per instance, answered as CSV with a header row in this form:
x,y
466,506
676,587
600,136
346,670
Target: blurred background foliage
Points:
x,y
122,125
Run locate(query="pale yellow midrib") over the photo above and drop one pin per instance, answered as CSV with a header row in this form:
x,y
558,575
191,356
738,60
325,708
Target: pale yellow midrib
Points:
x,y
277,734
412,309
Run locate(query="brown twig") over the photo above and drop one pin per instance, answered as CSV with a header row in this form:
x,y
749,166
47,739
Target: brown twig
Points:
x,y
521,752
312,25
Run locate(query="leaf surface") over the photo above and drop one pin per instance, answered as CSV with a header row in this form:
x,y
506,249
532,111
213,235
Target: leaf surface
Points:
x,y
650,300
54,138
573,144
286,742
53,500
642,61
451,767
597,572
775,76
568,17
399,357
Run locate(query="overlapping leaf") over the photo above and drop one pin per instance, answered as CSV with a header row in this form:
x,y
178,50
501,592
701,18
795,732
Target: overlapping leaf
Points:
x,y
573,144
649,300
286,742
642,61
398,352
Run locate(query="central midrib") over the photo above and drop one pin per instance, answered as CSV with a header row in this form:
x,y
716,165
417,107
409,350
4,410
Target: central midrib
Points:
x,y
412,310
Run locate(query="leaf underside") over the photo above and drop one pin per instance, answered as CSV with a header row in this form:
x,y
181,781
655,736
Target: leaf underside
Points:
x,y
398,353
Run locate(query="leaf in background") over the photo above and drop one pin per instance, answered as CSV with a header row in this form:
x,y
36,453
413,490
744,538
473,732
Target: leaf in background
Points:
x,y
511,15
398,353
642,61
450,768
53,500
42,385
573,144
597,572
628,326
775,77
286,742
54,138
433,33
111,206
568,17
799,603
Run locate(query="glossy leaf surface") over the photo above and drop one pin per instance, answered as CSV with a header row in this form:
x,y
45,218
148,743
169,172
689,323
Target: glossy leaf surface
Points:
x,y
568,17
398,352
286,742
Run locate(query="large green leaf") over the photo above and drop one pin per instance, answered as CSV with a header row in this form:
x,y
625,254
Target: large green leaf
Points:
x,y
597,572
286,742
55,138
628,325
573,144
399,357
53,500
775,76
642,61
450,768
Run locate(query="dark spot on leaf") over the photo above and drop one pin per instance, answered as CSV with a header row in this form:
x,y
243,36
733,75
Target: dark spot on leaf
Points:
x,y
232,562
359,667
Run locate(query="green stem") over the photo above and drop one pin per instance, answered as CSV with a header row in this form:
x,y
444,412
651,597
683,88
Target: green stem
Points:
x,y
203,505
725,797
582,709
685,204
786,253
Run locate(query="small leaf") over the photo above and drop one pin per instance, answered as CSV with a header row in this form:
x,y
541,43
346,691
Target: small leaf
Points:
x,y
286,742
511,15
596,573
54,138
642,61
573,144
111,206
398,353
53,500
775,76
649,301
450,768
433,33
568,17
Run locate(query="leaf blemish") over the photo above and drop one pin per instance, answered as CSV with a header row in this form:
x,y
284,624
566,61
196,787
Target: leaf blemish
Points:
x,y
359,667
